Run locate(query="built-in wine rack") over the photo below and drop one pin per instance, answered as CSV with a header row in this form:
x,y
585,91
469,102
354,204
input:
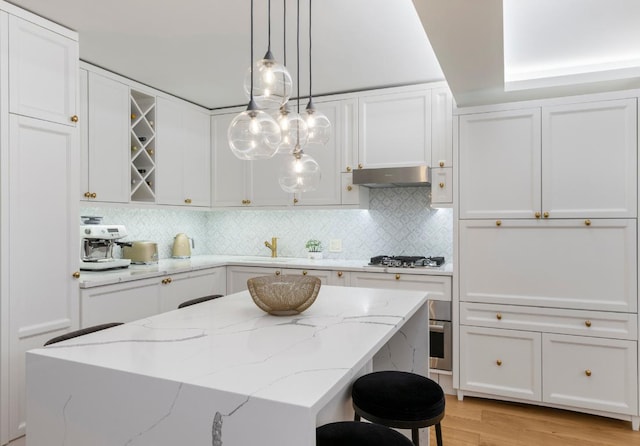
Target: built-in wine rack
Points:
x,y
143,143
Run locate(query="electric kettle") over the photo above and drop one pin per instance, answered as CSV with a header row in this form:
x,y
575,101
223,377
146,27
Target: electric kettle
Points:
x,y
182,246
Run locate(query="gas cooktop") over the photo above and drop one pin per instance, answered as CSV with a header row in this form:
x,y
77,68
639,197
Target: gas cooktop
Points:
x,y
406,261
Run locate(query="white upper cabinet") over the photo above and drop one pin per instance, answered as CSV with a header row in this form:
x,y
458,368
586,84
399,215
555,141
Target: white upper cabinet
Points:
x,y
441,128
183,157
589,160
105,140
395,129
499,164
230,174
43,70
564,161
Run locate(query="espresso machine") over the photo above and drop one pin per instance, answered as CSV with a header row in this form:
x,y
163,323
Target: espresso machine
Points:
x,y
96,250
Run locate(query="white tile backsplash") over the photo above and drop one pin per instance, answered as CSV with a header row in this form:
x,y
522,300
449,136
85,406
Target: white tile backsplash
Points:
x,y
398,221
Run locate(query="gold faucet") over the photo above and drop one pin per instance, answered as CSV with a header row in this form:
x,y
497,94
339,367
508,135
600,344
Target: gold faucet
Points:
x,y
273,246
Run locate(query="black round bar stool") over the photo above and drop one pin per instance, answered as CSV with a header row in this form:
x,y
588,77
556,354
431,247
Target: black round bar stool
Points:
x,y
353,433
399,399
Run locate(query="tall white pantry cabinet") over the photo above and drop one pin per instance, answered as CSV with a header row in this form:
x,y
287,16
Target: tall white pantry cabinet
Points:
x,y
39,156
547,243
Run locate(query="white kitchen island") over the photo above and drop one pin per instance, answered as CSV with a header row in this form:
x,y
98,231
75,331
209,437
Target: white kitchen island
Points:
x,y
222,372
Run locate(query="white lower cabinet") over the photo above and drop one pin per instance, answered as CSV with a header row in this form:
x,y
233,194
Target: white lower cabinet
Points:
x,y
137,299
501,362
593,373
439,287
237,276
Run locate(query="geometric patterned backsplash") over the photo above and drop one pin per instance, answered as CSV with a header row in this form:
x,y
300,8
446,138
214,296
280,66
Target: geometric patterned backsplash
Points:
x,y
398,221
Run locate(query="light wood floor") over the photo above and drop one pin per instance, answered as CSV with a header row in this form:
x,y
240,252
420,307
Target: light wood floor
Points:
x,y
480,422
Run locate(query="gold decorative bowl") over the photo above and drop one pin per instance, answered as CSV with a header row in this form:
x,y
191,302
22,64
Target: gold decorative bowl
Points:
x,y
284,295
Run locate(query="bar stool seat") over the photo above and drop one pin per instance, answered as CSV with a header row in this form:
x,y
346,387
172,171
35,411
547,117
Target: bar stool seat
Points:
x,y
353,433
399,399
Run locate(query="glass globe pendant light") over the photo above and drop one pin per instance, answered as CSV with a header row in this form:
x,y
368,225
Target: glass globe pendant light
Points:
x,y
272,84
253,134
292,128
299,173
318,124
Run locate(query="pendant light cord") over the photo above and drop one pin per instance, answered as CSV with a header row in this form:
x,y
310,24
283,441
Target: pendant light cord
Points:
x,y
269,26
251,52
310,90
284,37
298,53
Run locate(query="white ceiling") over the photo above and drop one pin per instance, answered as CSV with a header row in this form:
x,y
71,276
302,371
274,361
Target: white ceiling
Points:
x,y
548,47
199,49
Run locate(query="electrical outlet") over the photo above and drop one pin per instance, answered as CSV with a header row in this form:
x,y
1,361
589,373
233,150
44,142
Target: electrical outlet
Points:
x,y
335,245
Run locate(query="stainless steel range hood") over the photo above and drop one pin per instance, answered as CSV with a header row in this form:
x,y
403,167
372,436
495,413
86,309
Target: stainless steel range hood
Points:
x,y
414,176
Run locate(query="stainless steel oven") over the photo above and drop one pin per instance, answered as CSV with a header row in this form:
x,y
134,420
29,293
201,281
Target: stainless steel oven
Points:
x,y
440,341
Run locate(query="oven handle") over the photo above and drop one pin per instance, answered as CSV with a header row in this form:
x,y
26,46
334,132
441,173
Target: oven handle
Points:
x,y
436,328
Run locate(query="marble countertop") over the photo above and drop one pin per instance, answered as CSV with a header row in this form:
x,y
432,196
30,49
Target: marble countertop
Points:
x,y
225,354
90,279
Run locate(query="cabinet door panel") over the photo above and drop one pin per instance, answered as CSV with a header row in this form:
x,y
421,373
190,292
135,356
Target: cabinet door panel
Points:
x,y
169,156
192,285
598,374
500,362
108,160
499,164
196,148
439,287
43,180
119,303
395,129
229,173
442,185
551,263
441,128
43,69
589,162
237,276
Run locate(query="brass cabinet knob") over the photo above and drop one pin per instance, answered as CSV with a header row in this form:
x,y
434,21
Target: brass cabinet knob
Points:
x,y
537,214
187,200
93,195
499,316
587,372
498,222
74,118
360,166
545,215
244,201
397,276
87,195
76,275
349,188
133,116
170,280
304,273
134,148
587,222
340,273
587,323
348,168
277,273
248,201
164,281
150,152
499,362
295,201
441,163
441,185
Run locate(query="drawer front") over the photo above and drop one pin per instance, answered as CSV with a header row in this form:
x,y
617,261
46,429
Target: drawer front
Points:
x,y
591,373
500,362
550,320
439,287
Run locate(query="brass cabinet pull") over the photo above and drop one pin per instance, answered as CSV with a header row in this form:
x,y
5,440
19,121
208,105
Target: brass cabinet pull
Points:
x,y
277,273
498,222
295,201
76,275
499,316
397,276
545,215
441,185
587,222
587,323
441,163
187,200
164,281
304,273
74,118
348,168
93,195
499,362
360,166
87,195
349,188
587,372
133,116
170,280
537,214
339,273
248,201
